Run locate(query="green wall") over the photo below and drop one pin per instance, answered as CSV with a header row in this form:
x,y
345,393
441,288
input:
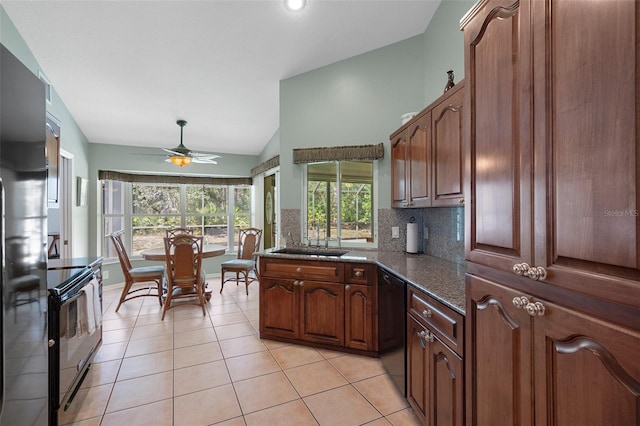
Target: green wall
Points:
x,y
72,139
444,46
360,100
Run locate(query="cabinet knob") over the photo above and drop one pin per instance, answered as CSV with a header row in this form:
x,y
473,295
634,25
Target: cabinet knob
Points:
x,y
426,335
300,283
51,343
461,200
520,302
347,287
520,268
358,273
298,270
426,313
535,309
533,272
537,273
295,283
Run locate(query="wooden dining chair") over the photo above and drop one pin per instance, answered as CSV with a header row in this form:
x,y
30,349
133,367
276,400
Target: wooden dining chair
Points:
x,y
172,232
245,264
153,276
184,272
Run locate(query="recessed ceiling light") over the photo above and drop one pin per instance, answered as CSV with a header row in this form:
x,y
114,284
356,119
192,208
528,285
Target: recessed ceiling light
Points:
x,y
295,5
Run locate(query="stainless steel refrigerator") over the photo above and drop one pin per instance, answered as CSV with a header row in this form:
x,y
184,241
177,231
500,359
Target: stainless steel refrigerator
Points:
x,y
23,174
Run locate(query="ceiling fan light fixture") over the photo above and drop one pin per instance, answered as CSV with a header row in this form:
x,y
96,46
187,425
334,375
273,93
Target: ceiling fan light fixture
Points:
x,y
295,5
180,161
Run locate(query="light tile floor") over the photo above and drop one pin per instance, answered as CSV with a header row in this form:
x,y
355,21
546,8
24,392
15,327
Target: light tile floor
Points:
x,y
192,370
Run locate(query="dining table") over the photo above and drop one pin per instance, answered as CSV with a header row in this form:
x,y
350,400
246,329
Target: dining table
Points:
x,y
208,250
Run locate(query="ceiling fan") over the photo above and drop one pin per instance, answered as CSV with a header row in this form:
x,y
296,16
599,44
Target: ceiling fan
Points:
x,y
182,156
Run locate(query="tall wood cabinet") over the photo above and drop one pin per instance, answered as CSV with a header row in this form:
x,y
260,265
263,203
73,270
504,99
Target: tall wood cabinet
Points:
x,y
552,124
427,155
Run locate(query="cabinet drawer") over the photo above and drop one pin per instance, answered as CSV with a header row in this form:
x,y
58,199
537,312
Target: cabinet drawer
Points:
x,y
359,273
295,269
444,322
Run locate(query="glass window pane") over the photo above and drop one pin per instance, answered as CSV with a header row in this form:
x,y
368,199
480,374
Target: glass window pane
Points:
x,y
217,235
242,199
147,238
154,199
355,213
356,208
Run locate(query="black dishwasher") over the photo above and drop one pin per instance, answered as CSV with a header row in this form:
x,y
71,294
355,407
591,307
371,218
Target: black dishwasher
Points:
x,y
392,312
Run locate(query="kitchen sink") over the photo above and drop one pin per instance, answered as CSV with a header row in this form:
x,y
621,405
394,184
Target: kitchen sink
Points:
x,y
311,251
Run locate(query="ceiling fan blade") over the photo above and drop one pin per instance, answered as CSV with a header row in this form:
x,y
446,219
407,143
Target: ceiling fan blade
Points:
x,y
204,155
202,160
172,152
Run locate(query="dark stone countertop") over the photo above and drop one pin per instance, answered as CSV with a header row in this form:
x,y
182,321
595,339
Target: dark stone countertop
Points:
x,y
439,278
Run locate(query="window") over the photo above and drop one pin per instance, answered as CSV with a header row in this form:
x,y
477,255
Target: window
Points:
x,y
340,203
146,210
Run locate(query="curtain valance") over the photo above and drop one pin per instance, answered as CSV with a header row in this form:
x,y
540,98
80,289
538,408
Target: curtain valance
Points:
x,y
263,167
338,153
175,179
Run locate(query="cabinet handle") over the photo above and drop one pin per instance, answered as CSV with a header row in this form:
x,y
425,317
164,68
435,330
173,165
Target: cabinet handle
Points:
x,y
520,302
421,336
347,287
299,270
535,309
358,273
426,313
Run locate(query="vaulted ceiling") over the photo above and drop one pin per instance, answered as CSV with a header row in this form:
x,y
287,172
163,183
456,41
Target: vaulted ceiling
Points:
x,y
127,70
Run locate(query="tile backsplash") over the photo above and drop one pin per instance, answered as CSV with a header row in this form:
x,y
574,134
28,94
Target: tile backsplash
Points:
x,y
445,231
445,224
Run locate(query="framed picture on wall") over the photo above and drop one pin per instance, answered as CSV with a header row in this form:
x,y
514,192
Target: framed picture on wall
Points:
x,y
82,191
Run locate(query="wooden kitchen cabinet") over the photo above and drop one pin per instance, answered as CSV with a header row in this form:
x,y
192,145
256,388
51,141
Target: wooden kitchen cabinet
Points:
x,y
435,373
448,149
321,312
552,178
579,369
427,155
411,163
317,302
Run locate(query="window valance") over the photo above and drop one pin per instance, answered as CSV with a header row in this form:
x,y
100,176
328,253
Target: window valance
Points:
x,y
263,167
176,179
338,153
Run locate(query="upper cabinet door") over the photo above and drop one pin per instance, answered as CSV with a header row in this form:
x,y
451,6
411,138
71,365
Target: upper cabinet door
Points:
x,y
498,139
448,150
420,162
399,158
587,123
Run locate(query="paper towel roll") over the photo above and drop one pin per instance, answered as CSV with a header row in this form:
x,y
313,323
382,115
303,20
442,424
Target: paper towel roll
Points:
x,y
412,238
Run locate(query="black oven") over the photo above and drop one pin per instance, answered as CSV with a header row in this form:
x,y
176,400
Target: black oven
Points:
x,y
72,345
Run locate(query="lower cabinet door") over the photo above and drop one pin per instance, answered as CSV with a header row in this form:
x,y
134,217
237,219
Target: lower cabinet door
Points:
x,y
322,312
587,370
498,353
279,308
417,368
358,317
446,382
435,379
